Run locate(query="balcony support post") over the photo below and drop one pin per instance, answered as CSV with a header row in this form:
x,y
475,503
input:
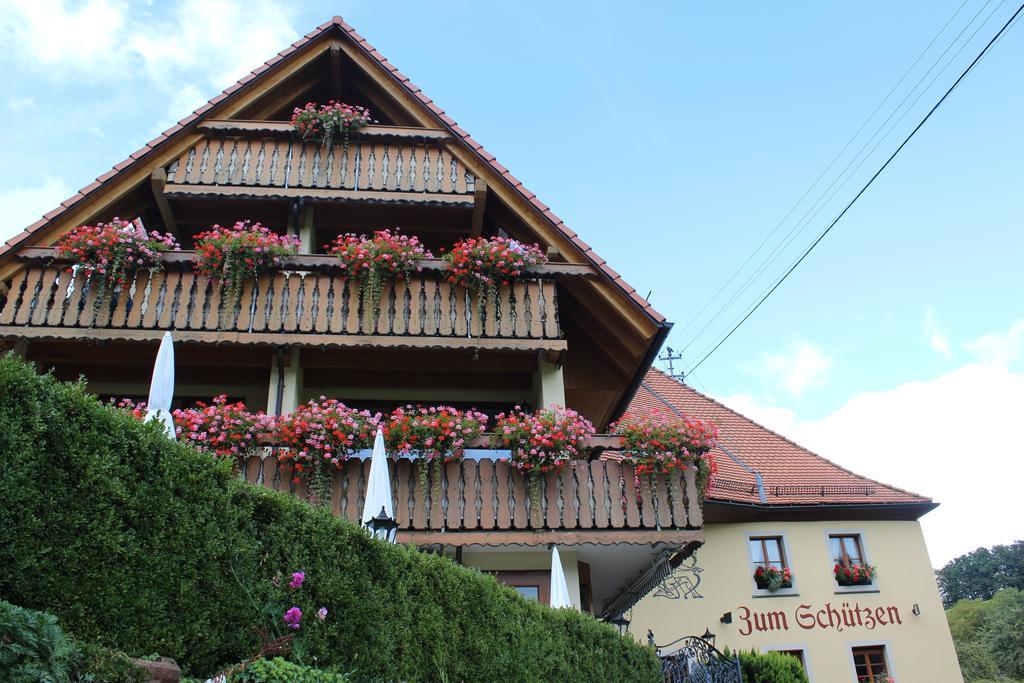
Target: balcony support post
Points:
x,y
285,380
548,384
307,233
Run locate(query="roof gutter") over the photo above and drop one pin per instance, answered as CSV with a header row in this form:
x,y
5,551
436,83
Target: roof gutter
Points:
x,y
645,364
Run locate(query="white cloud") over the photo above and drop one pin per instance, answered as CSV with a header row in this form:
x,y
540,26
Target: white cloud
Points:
x,y
999,348
23,205
194,46
956,438
799,366
17,104
936,336
781,420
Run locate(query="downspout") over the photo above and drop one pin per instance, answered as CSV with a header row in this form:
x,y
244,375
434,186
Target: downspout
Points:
x,y
732,456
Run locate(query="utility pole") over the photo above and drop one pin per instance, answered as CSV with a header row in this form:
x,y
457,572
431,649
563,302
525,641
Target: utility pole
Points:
x,y
668,357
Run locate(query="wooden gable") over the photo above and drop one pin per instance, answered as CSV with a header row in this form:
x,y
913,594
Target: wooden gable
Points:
x,y
612,332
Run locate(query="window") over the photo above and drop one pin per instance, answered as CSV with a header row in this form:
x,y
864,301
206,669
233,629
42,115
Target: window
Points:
x,y
767,552
869,664
529,592
532,585
796,654
846,549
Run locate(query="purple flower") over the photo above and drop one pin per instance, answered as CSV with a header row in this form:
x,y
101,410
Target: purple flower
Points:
x,y
293,617
321,613
297,579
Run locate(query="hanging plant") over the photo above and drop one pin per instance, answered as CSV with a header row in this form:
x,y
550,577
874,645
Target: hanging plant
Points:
x,y
542,442
329,120
225,430
434,436
238,253
320,435
111,253
660,443
371,260
483,264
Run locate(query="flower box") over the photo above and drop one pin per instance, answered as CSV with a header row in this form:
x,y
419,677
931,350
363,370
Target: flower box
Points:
x,y
849,574
773,579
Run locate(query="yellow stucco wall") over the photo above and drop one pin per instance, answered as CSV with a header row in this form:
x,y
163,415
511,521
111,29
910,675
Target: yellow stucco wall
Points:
x,y
919,647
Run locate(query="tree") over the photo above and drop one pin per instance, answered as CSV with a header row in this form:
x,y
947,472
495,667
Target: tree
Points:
x,y
983,573
988,636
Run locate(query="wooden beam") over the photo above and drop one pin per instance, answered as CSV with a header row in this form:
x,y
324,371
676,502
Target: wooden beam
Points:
x,y
157,181
284,129
335,72
542,538
320,262
333,341
479,204
316,194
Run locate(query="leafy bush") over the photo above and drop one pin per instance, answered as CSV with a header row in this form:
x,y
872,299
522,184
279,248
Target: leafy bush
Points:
x,y
279,670
988,636
146,545
769,667
34,648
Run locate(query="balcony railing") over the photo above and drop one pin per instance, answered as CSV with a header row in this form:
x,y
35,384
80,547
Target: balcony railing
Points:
x,y
488,501
316,306
379,163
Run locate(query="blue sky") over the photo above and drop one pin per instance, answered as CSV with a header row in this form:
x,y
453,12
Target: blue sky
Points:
x,y
673,137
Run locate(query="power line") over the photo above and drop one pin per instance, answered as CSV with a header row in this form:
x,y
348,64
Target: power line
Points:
x,y
864,189
833,188
822,174
808,216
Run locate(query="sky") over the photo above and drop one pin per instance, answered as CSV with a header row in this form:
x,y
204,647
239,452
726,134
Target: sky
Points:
x,y
675,138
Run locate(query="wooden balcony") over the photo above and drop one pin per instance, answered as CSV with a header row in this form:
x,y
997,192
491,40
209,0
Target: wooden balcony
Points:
x,y
487,502
378,164
311,303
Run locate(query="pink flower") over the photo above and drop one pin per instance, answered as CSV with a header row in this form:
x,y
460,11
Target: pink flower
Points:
x,y
293,617
297,579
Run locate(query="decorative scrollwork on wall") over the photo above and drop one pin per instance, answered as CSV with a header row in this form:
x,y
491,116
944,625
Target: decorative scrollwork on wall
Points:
x,y
682,582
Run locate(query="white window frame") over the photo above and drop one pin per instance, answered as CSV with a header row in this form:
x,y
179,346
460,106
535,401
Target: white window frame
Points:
x,y
862,537
886,651
764,592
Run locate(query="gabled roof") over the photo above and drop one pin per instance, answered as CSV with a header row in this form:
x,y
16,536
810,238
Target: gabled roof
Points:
x,y
336,24
792,474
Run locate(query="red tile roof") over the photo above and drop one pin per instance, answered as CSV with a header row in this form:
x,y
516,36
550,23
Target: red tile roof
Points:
x,y
413,89
792,474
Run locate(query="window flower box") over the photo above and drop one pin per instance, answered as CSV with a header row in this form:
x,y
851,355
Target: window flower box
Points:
x,y
850,574
773,579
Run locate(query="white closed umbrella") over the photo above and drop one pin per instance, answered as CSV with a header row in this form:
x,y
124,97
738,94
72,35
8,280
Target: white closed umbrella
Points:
x,y
378,490
559,588
161,387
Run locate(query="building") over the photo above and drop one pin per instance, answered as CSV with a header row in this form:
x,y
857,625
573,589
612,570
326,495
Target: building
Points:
x,y
572,333
776,503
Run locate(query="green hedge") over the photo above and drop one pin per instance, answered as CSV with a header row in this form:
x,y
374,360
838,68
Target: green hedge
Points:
x,y
769,667
145,545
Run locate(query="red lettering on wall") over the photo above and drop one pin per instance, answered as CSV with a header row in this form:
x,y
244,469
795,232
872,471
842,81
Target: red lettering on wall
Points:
x,y
804,618
828,617
745,616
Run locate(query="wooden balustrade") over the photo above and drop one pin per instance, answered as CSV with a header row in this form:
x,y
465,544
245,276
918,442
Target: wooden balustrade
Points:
x,y
318,308
597,496
387,168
